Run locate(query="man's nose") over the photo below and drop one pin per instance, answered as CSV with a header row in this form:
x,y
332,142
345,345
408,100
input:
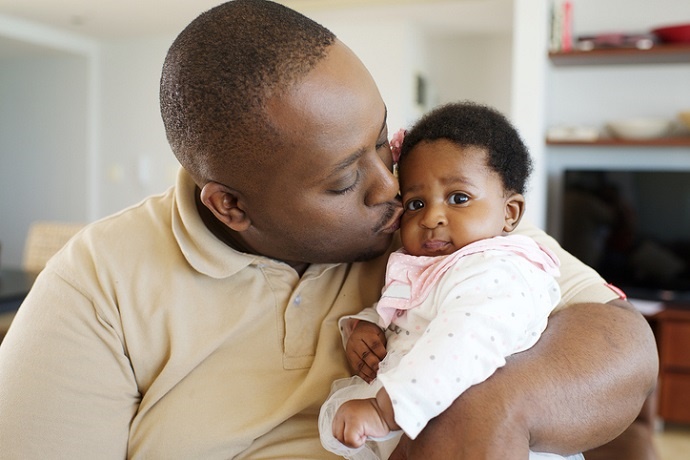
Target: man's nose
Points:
x,y
384,185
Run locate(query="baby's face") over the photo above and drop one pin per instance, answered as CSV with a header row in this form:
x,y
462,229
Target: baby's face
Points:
x,y
450,198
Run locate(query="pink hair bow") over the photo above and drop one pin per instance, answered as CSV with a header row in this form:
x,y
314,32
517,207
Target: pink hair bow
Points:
x,y
396,143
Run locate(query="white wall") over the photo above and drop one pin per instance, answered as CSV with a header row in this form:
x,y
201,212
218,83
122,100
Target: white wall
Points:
x,y
390,49
468,57
80,131
475,67
136,160
48,129
629,16
43,144
527,91
593,95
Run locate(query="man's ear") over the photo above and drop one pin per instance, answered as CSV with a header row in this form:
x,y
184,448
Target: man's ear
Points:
x,y
224,203
514,208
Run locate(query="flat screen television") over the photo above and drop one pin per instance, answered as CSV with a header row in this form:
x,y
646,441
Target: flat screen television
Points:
x,y
633,227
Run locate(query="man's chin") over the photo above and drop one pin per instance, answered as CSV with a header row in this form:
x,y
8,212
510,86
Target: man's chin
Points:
x,y
383,246
392,243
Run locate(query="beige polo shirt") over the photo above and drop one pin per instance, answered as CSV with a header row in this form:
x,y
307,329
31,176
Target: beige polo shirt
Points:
x,y
147,337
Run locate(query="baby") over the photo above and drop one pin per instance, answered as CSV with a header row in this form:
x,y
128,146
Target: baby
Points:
x,y
461,295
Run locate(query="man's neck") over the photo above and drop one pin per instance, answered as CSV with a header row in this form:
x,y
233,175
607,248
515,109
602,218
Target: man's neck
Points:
x,y
231,237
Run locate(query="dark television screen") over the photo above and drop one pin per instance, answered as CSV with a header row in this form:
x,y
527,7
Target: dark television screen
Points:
x,y
633,227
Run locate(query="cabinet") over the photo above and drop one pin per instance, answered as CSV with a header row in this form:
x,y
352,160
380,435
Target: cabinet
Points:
x,y
672,330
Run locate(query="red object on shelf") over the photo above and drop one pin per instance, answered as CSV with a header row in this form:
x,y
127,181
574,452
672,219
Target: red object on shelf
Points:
x,y
673,34
567,38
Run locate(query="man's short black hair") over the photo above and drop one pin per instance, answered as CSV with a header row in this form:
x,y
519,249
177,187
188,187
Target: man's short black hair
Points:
x,y
470,124
218,74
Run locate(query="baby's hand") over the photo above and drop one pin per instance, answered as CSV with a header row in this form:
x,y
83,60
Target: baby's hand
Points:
x,y
358,419
365,349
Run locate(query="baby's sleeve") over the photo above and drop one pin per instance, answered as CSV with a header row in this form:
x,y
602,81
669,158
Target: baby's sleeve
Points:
x,y
347,323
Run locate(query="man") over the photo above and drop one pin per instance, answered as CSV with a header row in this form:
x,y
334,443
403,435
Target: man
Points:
x,y
201,323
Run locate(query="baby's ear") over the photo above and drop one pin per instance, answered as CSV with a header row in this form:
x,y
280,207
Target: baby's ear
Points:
x,y
226,205
514,208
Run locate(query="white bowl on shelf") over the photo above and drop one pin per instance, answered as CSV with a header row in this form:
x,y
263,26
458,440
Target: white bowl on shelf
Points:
x,y
640,128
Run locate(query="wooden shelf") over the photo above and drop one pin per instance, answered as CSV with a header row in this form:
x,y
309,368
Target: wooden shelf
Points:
x,y
658,54
681,141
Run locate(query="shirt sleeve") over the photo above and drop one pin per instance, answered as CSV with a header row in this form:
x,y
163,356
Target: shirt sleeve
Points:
x,y
67,389
486,311
579,283
347,323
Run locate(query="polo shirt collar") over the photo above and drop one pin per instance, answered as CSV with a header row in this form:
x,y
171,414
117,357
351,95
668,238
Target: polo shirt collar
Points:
x,y
202,249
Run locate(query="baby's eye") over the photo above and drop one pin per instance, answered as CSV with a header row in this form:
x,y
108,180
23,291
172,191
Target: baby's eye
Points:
x,y
458,198
414,205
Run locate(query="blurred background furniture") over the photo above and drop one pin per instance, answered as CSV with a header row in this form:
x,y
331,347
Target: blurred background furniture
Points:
x,y
672,330
43,240
14,286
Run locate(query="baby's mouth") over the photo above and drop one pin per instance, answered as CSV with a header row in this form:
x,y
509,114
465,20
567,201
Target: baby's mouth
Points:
x,y
435,245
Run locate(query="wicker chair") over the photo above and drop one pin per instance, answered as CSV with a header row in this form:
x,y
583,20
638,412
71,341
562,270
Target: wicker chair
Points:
x,y
44,240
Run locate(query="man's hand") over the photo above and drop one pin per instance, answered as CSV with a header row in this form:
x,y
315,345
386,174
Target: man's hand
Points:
x,y
365,349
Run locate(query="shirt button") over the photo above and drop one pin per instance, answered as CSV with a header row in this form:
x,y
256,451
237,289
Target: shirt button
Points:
x,y
298,300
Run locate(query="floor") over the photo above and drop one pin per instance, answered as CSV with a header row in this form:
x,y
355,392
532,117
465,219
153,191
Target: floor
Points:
x,y
673,442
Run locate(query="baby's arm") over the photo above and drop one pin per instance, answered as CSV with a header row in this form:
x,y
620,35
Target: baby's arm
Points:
x,y
358,419
365,349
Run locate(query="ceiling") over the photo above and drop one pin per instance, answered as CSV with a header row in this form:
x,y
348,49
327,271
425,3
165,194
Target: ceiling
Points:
x,y
117,19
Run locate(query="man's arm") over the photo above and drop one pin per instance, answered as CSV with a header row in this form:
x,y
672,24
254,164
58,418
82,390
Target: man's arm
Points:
x,y
580,386
68,389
